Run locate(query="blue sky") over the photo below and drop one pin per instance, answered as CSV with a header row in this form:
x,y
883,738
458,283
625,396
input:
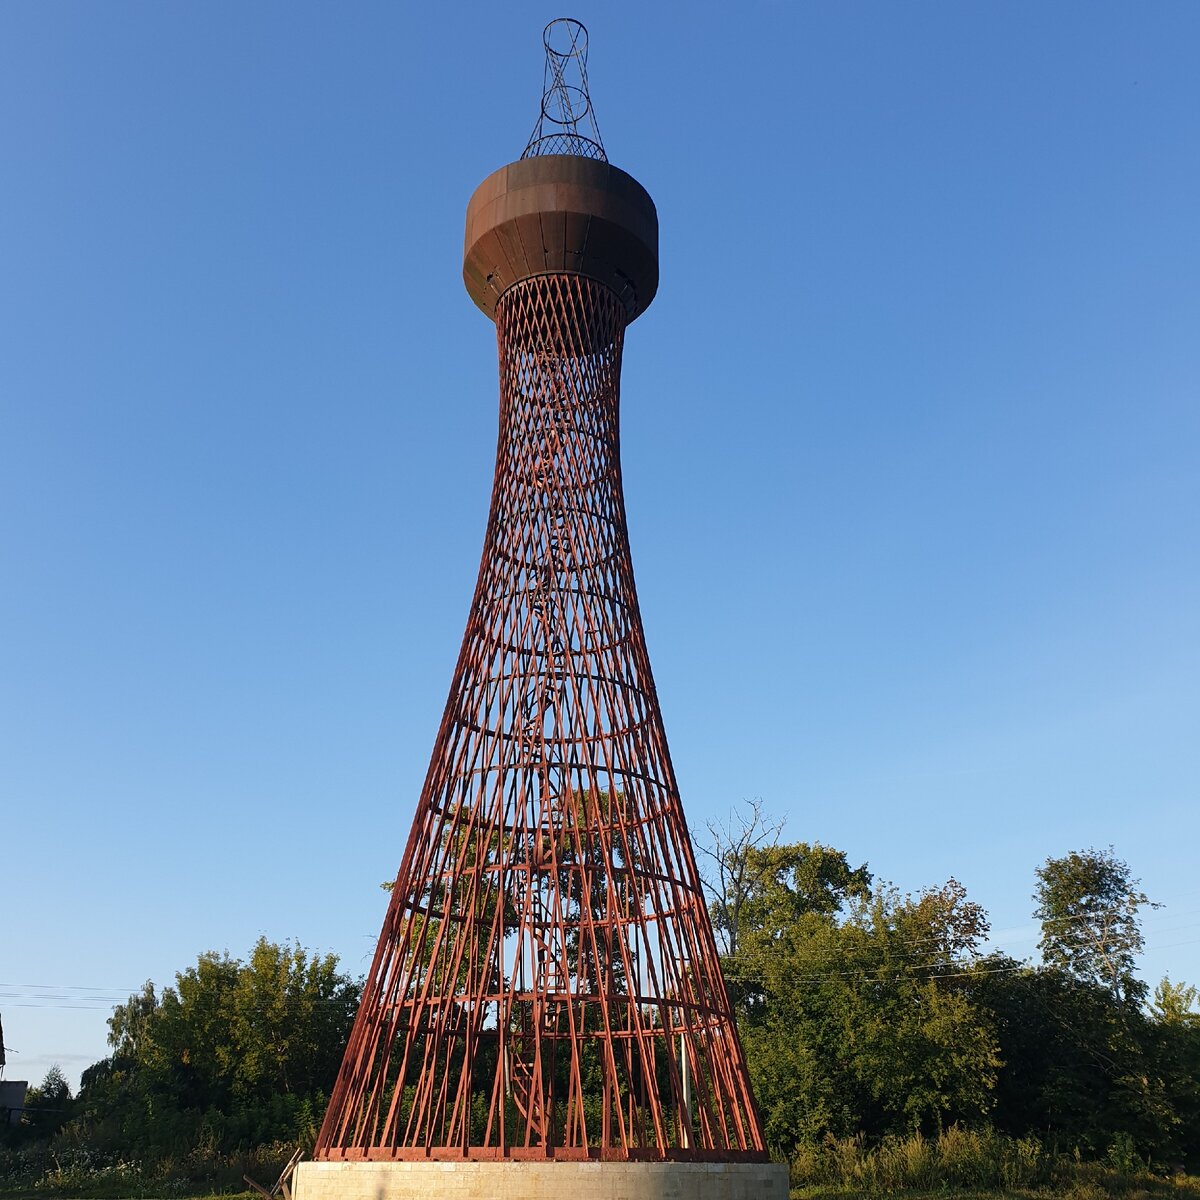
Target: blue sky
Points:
x,y
910,446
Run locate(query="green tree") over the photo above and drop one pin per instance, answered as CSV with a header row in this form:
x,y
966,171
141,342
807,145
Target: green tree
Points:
x,y
290,1018
1078,1070
236,1053
1175,1004
850,999
1089,905
48,1107
128,1023
1176,1042
1085,1065
755,882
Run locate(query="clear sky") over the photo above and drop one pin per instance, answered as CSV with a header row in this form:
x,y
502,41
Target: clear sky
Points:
x,y
910,442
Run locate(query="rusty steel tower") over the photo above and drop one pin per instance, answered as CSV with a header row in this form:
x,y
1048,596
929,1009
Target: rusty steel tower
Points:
x,y
546,987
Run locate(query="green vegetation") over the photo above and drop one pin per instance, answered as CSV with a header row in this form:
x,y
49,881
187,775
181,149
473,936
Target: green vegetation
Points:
x,y
874,1019
216,1078
889,1052
965,1162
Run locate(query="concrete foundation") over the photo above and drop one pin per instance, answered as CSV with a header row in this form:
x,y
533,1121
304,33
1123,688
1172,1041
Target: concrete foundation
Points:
x,y
539,1181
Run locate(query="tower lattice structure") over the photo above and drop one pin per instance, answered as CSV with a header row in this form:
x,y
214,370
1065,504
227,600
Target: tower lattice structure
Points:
x,y
546,984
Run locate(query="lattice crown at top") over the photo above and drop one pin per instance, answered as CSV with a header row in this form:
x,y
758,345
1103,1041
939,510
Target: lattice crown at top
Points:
x,y
566,123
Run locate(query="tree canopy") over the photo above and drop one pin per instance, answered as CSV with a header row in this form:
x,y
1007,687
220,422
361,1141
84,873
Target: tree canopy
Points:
x,y
1089,905
245,1050
865,1012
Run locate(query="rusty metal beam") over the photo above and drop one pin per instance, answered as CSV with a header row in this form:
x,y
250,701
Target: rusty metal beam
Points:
x,y
546,984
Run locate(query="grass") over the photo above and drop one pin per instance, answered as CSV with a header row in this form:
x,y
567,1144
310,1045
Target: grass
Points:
x,y
965,1164
1075,1192
969,1163
42,1173
101,1192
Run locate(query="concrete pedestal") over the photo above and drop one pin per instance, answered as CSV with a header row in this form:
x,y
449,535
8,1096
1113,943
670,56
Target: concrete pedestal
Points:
x,y
539,1181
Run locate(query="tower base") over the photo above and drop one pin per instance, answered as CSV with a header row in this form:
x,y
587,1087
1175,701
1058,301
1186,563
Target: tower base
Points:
x,y
539,1181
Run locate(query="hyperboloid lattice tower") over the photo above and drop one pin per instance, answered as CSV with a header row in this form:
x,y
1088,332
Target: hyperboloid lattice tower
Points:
x,y
546,988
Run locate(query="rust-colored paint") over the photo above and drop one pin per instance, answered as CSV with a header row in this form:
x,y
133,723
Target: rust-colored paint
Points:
x,y
561,213
546,984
